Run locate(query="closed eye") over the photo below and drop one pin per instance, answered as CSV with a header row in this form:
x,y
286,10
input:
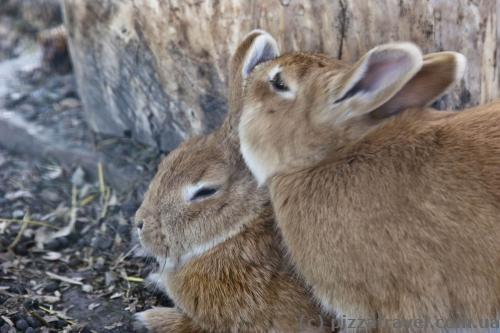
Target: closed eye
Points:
x,y
203,193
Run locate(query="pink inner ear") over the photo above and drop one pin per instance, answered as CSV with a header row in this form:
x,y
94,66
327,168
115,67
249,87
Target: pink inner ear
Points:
x,y
263,49
381,73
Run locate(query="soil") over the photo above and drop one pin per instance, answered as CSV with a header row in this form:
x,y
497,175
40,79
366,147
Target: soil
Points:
x,y
69,257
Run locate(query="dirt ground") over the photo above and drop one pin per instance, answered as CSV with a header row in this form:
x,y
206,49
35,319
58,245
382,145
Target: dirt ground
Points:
x,y
69,260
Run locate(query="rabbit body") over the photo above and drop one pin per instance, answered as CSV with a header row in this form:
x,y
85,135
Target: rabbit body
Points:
x,y
244,285
404,224
389,209
221,258
241,282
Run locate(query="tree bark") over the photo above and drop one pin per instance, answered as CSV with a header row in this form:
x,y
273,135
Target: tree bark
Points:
x,y
157,69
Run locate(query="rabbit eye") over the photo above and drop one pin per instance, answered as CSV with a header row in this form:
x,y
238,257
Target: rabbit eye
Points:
x,y
203,193
277,83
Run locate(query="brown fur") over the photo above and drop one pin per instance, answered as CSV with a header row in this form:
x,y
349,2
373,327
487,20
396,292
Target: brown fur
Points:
x,y
244,284
168,320
385,216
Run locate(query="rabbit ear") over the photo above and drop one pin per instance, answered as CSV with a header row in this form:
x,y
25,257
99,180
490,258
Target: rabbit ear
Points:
x,y
263,48
258,46
438,73
377,77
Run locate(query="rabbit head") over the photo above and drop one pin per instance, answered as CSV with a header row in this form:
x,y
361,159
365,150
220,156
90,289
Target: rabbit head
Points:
x,y
200,196
296,108
202,193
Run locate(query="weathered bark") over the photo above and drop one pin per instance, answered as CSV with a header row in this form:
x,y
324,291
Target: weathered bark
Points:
x,y
157,69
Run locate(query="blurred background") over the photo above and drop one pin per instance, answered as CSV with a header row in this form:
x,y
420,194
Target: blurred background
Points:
x,y
94,93
68,260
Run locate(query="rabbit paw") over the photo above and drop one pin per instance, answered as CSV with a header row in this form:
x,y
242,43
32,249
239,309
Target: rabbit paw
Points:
x,y
164,320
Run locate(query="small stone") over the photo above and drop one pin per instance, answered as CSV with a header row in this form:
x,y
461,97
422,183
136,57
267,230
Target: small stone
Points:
x,y
59,324
100,264
30,330
109,278
21,249
50,195
102,243
51,287
57,244
85,329
74,262
5,328
22,324
82,242
62,269
64,241
53,245
30,304
87,288
17,214
18,289
32,321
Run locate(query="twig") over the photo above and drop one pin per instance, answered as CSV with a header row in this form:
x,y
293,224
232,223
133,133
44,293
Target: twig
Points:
x,y
74,206
125,276
37,316
105,203
57,314
88,199
64,279
100,172
39,223
44,237
16,240
105,190
124,256
135,279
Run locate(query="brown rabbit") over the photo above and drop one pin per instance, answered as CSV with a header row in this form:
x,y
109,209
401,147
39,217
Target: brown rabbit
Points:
x,y
214,235
388,208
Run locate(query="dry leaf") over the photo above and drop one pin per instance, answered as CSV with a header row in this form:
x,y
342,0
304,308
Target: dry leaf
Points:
x,y
51,299
92,306
44,236
52,256
18,194
54,172
116,295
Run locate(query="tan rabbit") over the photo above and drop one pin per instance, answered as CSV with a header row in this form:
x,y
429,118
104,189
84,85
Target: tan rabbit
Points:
x,y
213,232
389,209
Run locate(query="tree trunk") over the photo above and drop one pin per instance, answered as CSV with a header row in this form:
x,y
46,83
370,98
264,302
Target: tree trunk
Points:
x,y
157,69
